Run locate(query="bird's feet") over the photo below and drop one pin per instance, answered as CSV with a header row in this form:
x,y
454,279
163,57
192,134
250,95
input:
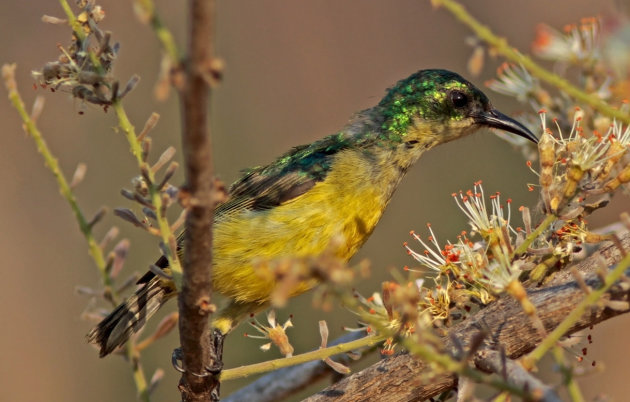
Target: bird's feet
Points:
x,y
216,363
217,353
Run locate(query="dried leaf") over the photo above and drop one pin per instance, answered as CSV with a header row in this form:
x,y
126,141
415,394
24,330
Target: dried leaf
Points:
x,y
180,221
162,87
164,328
476,61
128,194
142,201
166,325
120,254
109,236
48,19
38,107
144,171
168,174
166,156
130,217
338,367
97,217
146,149
148,212
323,333
131,84
149,125
156,378
79,175
527,220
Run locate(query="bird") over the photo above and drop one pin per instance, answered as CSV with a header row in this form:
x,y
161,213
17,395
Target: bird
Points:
x,y
333,190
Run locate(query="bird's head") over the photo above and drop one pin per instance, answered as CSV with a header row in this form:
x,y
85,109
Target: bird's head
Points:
x,y
435,106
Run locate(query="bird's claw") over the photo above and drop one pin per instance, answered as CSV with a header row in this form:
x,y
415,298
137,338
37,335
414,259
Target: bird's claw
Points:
x,y
217,360
177,361
213,369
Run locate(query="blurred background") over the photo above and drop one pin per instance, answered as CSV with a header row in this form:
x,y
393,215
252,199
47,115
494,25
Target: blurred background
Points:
x,y
295,71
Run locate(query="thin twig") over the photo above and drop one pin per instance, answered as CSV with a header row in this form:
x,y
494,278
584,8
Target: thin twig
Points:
x,y
501,46
590,300
78,31
549,219
319,354
31,128
285,382
492,362
573,388
96,252
166,234
147,8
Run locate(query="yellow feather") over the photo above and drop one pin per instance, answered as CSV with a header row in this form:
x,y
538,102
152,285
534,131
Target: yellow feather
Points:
x,y
344,207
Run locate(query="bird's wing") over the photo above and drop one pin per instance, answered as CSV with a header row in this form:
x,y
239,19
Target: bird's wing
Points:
x,y
290,176
266,187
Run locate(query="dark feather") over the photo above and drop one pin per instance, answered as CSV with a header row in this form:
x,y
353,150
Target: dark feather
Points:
x,y
290,176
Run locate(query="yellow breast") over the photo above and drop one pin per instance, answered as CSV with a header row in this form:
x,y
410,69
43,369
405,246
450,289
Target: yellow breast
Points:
x,y
346,207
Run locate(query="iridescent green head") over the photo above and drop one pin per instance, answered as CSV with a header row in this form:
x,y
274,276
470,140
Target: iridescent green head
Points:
x,y
438,106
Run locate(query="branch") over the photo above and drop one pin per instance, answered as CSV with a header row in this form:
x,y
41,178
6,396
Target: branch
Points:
x,y
194,297
494,362
288,362
146,10
507,325
501,46
285,382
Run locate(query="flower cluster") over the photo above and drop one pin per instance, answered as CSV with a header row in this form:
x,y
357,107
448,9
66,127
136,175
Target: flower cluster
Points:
x,y
85,68
578,43
590,52
582,159
400,309
577,174
578,171
517,82
477,269
274,332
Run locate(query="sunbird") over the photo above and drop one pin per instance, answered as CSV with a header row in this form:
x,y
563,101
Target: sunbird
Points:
x,y
335,188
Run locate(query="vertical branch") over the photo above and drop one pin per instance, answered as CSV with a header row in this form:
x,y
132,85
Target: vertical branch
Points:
x,y
194,298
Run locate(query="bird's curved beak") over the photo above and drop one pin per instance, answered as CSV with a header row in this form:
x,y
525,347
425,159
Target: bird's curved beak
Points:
x,y
495,119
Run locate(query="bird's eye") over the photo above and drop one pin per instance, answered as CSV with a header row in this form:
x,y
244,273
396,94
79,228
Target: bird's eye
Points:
x,y
459,99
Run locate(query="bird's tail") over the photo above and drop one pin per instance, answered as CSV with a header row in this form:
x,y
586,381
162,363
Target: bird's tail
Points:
x,y
130,316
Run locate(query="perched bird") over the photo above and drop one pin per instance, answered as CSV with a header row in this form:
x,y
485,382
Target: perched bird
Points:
x,y
335,188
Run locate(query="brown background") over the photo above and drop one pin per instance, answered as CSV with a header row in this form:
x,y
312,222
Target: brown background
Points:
x,y
296,71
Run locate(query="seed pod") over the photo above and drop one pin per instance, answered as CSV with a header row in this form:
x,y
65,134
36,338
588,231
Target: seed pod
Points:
x,y
547,160
574,175
547,152
614,154
622,178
